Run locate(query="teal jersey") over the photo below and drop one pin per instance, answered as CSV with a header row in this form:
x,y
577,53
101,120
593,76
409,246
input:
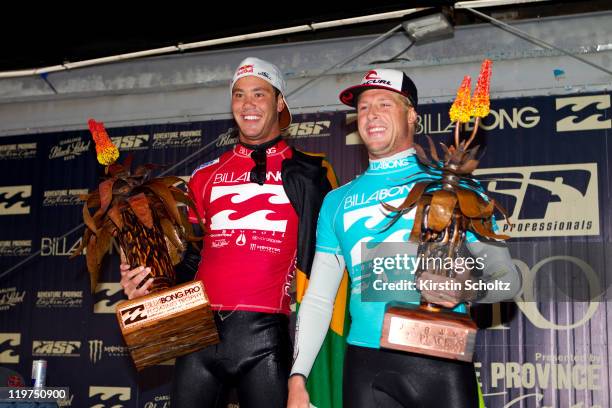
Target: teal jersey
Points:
x,y
352,215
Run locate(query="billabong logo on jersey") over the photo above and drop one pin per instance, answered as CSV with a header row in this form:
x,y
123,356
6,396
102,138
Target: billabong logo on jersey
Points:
x,y
8,344
545,201
108,295
376,197
391,164
583,113
14,200
236,217
108,397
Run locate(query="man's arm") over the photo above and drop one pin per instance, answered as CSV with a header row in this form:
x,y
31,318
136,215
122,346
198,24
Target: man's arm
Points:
x,y
187,269
498,266
313,321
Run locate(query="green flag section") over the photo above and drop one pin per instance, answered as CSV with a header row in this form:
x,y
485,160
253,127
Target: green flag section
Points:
x,y
325,379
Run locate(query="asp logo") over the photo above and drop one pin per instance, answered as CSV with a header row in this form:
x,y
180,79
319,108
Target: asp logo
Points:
x,y
308,129
14,200
544,201
108,397
584,113
8,344
131,142
56,348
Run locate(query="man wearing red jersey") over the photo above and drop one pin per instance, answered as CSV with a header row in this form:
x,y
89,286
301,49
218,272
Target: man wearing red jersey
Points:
x,y
260,203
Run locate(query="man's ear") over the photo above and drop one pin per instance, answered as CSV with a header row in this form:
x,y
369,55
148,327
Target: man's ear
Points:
x,y
412,116
280,103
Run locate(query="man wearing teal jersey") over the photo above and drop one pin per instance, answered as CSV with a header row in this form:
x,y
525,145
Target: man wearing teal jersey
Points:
x,y
351,217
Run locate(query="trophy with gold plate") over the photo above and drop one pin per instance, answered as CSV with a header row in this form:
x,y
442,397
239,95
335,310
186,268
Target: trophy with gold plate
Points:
x,y
448,203
141,213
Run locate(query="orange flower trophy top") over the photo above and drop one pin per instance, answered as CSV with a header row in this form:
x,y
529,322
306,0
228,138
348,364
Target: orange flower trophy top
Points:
x,y
106,151
451,174
137,210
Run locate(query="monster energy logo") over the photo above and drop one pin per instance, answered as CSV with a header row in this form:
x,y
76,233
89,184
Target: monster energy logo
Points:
x,y
95,350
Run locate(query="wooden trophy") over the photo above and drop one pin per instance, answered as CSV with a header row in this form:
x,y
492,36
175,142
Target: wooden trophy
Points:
x,y
142,214
448,202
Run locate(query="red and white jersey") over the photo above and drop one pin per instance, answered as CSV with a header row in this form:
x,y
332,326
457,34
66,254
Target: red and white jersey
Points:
x,y
249,252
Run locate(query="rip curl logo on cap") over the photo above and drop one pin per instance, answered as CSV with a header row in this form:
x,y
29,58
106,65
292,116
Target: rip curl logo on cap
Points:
x,y
346,97
371,75
245,69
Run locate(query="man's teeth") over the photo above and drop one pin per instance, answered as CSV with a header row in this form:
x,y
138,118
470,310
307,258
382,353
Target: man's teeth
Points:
x,y
251,117
377,129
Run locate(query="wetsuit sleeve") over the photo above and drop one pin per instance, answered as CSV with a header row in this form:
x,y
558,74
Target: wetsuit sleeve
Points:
x,y
316,310
498,266
317,305
188,267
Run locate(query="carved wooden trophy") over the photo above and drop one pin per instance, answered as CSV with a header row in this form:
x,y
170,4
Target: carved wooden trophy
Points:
x,y
141,213
448,203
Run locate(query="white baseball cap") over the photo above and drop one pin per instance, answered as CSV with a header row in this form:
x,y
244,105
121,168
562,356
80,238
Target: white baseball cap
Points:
x,y
381,78
270,73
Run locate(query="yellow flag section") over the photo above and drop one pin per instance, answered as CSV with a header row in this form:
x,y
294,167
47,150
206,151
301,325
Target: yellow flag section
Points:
x,y
325,380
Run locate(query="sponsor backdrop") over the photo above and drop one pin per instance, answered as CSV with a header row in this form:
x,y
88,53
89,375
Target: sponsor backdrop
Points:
x,y
547,162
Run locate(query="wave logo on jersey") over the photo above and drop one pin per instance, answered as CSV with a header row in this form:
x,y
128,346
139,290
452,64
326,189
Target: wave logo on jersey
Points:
x,y
583,113
249,206
369,223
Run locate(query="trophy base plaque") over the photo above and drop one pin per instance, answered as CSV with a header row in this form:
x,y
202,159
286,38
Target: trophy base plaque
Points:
x,y
167,324
429,330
